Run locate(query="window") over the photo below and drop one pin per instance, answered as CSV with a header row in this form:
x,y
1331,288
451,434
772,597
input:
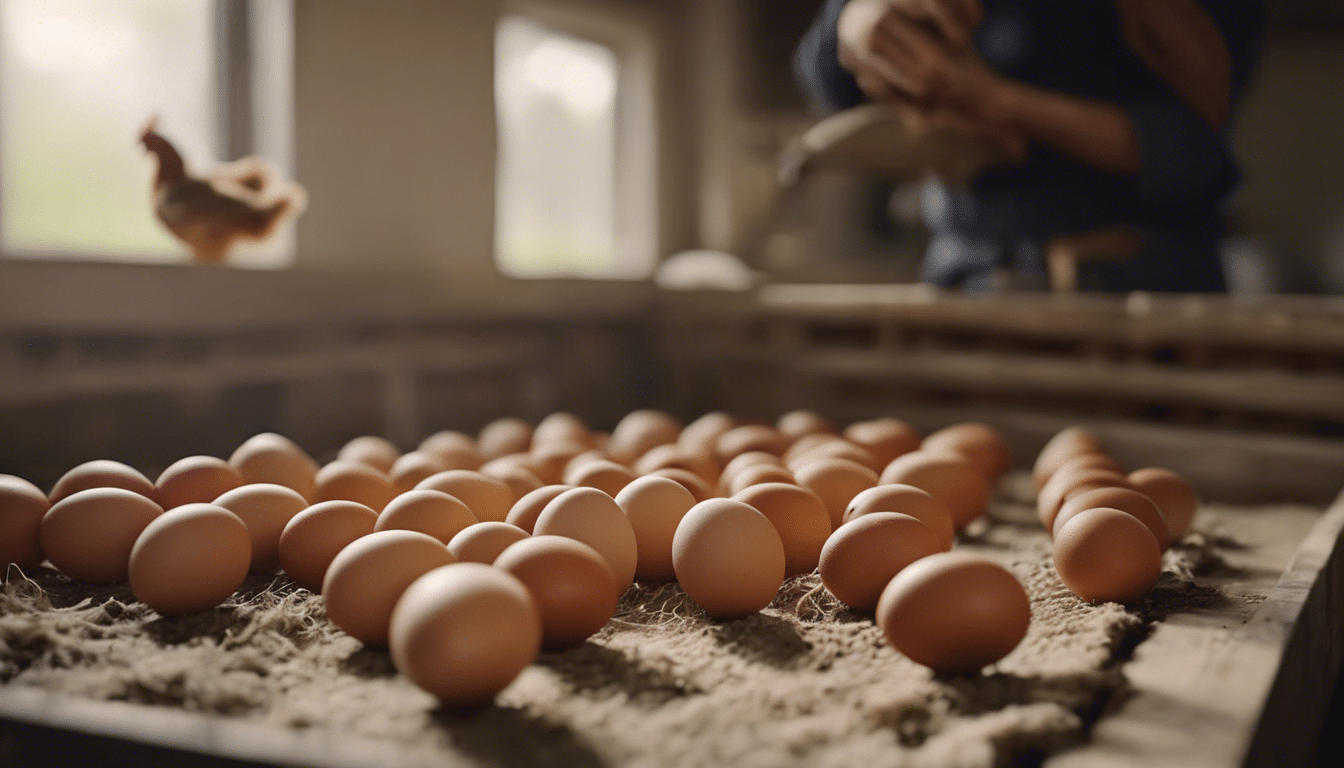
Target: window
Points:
x,y
575,151
78,81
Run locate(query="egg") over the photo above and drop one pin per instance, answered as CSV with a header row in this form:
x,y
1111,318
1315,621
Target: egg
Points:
x,y
701,462
89,534
954,612
702,434
757,474
353,481
367,577
744,460
482,542
836,482
863,555
313,537
1064,483
907,500
984,445
551,459
265,508
594,518
1107,555
464,631
1126,500
22,506
195,480
806,443
885,438
692,482
433,513
410,468
504,436
800,518
455,450
190,559
101,473
378,452
1090,461
606,476
488,498
654,506
802,421
507,463
562,427
952,478
641,430
1173,494
1064,445
521,481
835,449
526,509
272,458
750,437
728,558
572,585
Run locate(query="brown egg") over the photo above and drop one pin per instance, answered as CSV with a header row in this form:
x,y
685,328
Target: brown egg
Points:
x,y
378,452
801,422
953,479
836,482
265,508
728,558
1126,500
673,455
559,428
464,631
504,436
525,511
520,481
606,476
1173,494
800,518
190,559
1063,484
863,555
455,450
757,474
195,480
701,435
954,612
654,505
369,575
313,537
505,464
22,506
551,459
984,445
572,584
433,513
1090,461
482,542
744,460
641,430
488,498
1107,555
410,468
594,518
810,442
688,480
89,534
906,500
750,437
836,449
887,438
101,473
272,458
353,481
1067,443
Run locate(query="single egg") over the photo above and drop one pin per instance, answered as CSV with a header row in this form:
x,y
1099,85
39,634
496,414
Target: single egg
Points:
x,y
482,542
1089,461
757,474
802,421
1126,500
505,464
551,459
195,480
807,443
702,463
353,481
640,431
313,537
954,612
750,437
265,508
594,518
654,505
692,482
984,445
433,513
525,510
863,555
952,478
272,458
377,452
1065,483
562,427
573,586
504,436
368,576
101,473
1173,494
521,481
410,468
800,518
701,435
885,438
89,534
455,450
464,631
835,449
728,558
836,482
584,458
907,500
1107,555
488,498
190,559
22,506
744,460
606,476
1064,445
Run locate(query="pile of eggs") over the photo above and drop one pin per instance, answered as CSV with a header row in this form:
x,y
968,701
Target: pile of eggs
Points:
x,y
468,555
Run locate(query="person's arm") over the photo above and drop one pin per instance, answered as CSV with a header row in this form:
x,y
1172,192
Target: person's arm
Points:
x,y
1181,44
827,85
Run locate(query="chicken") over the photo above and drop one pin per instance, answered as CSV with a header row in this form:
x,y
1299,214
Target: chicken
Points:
x,y
244,199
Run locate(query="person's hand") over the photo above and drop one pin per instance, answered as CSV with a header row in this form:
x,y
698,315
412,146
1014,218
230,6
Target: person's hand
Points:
x,y
902,44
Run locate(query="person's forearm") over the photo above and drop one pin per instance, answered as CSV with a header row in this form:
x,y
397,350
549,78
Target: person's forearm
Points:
x,y
1095,133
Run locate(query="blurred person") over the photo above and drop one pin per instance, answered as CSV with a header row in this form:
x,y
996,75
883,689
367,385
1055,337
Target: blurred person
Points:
x,y
1112,116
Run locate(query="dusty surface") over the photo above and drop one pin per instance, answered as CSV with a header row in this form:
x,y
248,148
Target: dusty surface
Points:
x,y
805,682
